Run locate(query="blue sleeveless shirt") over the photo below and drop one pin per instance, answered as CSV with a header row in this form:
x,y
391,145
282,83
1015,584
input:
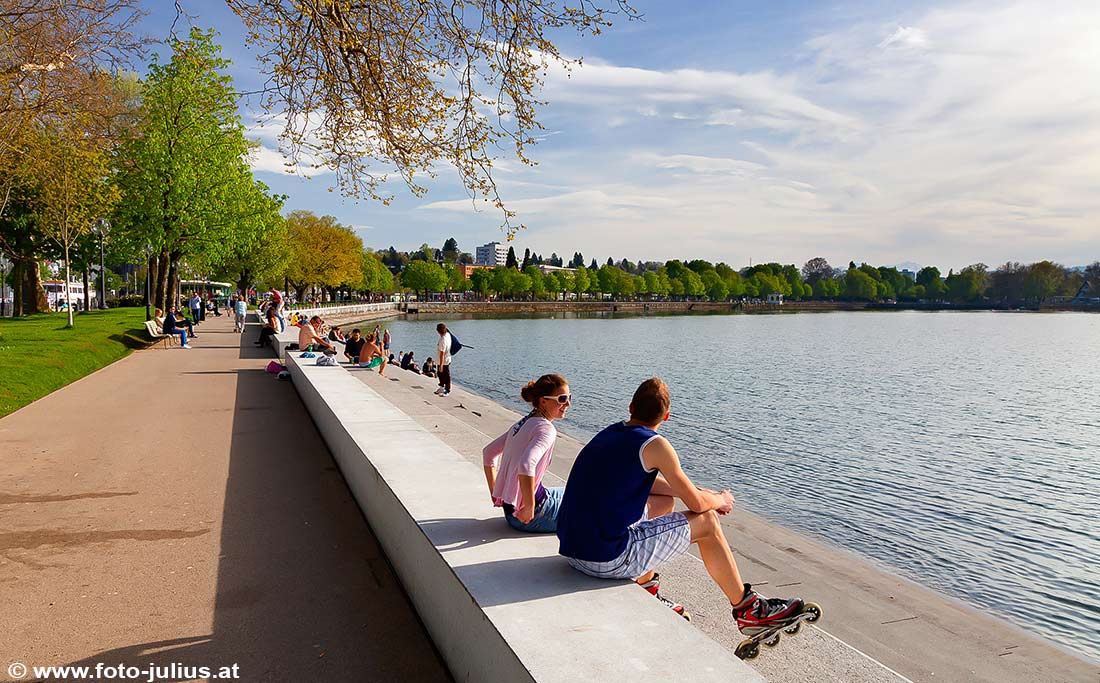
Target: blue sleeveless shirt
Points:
x,y
606,493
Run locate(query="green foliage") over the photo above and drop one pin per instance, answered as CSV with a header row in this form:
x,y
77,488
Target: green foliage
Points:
x,y
424,276
42,355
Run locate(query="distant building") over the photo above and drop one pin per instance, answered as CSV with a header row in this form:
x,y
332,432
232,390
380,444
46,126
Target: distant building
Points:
x,y
492,254
775,299
544,269
467,269
909,274
1085,295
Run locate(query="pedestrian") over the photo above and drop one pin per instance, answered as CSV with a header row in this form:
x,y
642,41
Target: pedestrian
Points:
x,y
444,348
240,308
195,304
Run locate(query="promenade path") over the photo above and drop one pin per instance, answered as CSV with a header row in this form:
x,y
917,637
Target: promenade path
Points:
x,y
179,507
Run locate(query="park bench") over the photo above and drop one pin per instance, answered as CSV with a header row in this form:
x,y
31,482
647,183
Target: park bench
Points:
x,y
158,336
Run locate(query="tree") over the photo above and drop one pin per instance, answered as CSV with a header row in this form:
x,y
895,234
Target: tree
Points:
x,y
376,276
538,282
450,250
73,188
577,261
968,284
593,266
184,175
526,259
55,62
1044,280
581,281
406,84
816,269
929,278
510,261
860,285
326,253
424,276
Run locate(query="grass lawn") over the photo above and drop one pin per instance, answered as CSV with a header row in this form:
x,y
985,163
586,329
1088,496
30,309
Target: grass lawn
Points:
x,y
38,355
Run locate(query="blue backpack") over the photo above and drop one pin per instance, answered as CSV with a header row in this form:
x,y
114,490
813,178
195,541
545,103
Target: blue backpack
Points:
x,y
456,345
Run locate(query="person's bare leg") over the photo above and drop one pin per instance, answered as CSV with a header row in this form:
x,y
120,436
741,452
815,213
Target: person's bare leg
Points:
x,y
706,532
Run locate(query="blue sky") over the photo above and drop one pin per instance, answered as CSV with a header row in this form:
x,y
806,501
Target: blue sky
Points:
x,y
885,132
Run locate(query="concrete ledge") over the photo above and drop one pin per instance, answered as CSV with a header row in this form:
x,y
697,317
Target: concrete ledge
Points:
x,y
500,605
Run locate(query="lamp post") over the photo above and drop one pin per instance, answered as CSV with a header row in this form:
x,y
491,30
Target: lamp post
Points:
x,y
103,226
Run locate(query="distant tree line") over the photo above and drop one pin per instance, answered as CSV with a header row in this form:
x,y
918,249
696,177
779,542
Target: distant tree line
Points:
x,y
429,270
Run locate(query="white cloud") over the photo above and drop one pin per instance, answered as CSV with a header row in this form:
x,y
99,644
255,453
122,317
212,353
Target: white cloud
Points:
x,y
905,37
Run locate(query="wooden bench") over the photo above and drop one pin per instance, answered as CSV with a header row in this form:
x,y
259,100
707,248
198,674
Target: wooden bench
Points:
x,y
157,336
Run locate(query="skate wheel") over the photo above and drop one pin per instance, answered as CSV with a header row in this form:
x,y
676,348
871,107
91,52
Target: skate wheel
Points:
x,y
773,641
747,650
686,615
793,628
813,610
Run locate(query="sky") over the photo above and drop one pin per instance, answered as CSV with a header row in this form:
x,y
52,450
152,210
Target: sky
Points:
x,y
891,133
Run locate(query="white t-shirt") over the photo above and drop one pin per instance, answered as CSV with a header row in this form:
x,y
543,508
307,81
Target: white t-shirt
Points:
x,y
445,347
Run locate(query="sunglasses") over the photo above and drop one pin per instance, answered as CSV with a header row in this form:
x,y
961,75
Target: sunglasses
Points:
x,y
561,398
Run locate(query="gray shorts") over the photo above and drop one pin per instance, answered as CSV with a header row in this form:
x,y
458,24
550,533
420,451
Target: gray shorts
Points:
x,y
652,542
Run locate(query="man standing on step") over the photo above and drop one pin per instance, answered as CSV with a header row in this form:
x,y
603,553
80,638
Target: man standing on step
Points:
x,y
444,349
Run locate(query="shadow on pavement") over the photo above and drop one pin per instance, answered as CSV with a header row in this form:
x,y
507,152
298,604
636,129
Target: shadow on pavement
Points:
x,y
304,592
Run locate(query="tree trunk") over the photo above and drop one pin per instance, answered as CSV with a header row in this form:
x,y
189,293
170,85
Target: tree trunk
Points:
x,y
33,295
68,278
87,293
173,294
160,300
150,276
16,287
244,281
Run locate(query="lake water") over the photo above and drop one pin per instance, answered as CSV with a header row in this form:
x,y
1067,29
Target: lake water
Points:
x,y
960,449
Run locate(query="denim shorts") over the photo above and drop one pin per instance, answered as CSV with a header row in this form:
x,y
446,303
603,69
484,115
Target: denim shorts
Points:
x,y
545,520
651,543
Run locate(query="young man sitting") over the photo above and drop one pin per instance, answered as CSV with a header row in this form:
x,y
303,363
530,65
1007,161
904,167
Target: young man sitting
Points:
x,y
603,527
310,339
354,346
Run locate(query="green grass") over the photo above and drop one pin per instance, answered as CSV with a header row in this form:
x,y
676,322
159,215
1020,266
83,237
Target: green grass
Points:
x,y
38,355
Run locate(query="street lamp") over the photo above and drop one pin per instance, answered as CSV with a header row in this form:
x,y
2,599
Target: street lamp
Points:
x,y
103,227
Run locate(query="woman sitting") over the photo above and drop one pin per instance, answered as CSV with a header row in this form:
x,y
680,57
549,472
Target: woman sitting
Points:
x,y
270,329
516,461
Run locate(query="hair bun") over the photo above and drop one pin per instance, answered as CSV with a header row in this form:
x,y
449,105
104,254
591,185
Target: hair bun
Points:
x,y
527,392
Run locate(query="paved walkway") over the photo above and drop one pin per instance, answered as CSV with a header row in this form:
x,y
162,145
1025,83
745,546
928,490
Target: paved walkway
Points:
x,y
179,507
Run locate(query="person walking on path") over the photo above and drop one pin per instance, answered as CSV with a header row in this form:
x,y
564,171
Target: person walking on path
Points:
x,y
523,455
444,349
603,528
240,309
386,341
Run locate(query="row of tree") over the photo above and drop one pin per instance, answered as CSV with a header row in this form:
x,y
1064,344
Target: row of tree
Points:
x,y
698,279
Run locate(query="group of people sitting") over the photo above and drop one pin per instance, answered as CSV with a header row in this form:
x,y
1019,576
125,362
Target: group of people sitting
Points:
x,y
615,516
175,323
408,362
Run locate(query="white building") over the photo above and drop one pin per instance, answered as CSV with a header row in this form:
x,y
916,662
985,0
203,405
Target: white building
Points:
x,y
554,269
492,254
